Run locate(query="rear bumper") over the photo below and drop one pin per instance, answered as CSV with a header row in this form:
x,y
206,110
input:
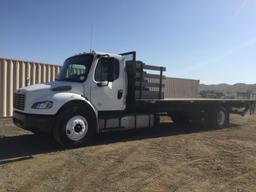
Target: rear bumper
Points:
x,y
31,122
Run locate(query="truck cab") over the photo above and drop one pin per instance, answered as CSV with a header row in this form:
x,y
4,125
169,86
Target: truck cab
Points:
x,y
101,76
94,77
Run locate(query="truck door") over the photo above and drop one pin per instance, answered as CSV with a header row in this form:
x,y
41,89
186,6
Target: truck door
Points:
x,y
108,89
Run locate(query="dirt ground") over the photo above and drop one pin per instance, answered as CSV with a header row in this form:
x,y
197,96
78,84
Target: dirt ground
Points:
x,y
168,158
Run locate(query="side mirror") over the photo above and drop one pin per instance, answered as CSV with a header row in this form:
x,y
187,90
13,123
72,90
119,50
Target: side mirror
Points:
x,y
102,84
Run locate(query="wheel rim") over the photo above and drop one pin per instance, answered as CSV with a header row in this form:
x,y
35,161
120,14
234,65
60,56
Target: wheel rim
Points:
x,y
221,118
76,128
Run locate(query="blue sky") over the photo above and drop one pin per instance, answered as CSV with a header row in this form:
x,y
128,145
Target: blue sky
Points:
x,y
214,41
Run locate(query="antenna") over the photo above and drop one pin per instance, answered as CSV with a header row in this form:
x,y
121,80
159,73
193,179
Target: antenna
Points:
x,y
91,37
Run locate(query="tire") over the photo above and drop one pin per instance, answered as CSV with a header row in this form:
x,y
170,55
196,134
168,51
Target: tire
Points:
x,y
218,118
75,127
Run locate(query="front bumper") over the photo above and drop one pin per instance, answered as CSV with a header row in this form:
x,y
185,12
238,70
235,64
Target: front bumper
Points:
x,y
34,123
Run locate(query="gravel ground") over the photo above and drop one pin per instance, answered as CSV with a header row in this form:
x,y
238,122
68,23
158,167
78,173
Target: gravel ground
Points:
x,y
168,158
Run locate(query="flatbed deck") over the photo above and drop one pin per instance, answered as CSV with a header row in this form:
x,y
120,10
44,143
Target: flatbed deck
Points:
x,y
146,95
235,106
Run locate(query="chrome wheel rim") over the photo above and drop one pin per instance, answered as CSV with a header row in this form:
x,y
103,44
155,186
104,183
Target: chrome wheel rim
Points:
x,y
76,128
221,118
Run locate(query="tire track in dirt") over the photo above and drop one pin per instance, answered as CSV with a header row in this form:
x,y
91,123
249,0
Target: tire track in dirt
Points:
x,y
232,182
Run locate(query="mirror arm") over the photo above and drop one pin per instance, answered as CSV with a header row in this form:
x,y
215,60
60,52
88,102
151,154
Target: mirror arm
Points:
x,y
103,83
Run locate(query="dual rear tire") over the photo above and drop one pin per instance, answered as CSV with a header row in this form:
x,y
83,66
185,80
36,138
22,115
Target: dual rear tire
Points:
x,y
217,117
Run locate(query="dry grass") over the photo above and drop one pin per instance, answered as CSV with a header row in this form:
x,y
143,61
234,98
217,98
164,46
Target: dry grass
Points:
x,y
170,158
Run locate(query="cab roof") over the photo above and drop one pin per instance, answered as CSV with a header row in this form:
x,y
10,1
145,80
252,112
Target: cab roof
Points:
x,y
117,56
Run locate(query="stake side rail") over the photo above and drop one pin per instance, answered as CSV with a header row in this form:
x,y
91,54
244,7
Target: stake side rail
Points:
x,y
144,81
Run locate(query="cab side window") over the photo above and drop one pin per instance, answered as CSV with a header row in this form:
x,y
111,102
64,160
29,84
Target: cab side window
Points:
x,y
107,69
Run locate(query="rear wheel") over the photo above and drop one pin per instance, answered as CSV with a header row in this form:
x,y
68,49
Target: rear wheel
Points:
x,y
218,118
74,128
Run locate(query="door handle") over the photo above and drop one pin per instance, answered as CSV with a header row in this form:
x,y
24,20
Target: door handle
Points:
x,y
120,93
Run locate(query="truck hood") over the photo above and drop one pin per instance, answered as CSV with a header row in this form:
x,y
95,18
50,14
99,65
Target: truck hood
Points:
x,y
51,87
58,92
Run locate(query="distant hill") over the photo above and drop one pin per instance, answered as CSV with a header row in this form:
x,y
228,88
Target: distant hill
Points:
x,y
229,91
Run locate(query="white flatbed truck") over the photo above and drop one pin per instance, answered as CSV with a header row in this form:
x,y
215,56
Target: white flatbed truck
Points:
x,y
99,92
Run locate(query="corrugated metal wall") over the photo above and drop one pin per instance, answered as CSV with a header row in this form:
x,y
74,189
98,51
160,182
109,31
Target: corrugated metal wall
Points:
x,y
181,88
178,88
15,74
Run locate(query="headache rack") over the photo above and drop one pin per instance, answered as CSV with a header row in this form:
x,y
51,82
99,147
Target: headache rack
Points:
x,y
144,81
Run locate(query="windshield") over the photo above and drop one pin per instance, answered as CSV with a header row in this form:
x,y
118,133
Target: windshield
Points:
x,y
76,68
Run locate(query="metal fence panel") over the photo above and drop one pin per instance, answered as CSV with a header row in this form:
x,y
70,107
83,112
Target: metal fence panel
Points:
x,y
15,74
181,88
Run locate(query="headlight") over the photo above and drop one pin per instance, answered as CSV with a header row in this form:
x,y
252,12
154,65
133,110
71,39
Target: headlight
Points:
x,y
42,105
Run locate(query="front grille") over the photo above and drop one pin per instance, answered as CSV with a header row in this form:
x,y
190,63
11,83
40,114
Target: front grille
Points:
x,y
19,101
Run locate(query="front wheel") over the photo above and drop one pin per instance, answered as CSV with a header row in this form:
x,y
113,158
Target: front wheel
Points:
x,y
74,128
